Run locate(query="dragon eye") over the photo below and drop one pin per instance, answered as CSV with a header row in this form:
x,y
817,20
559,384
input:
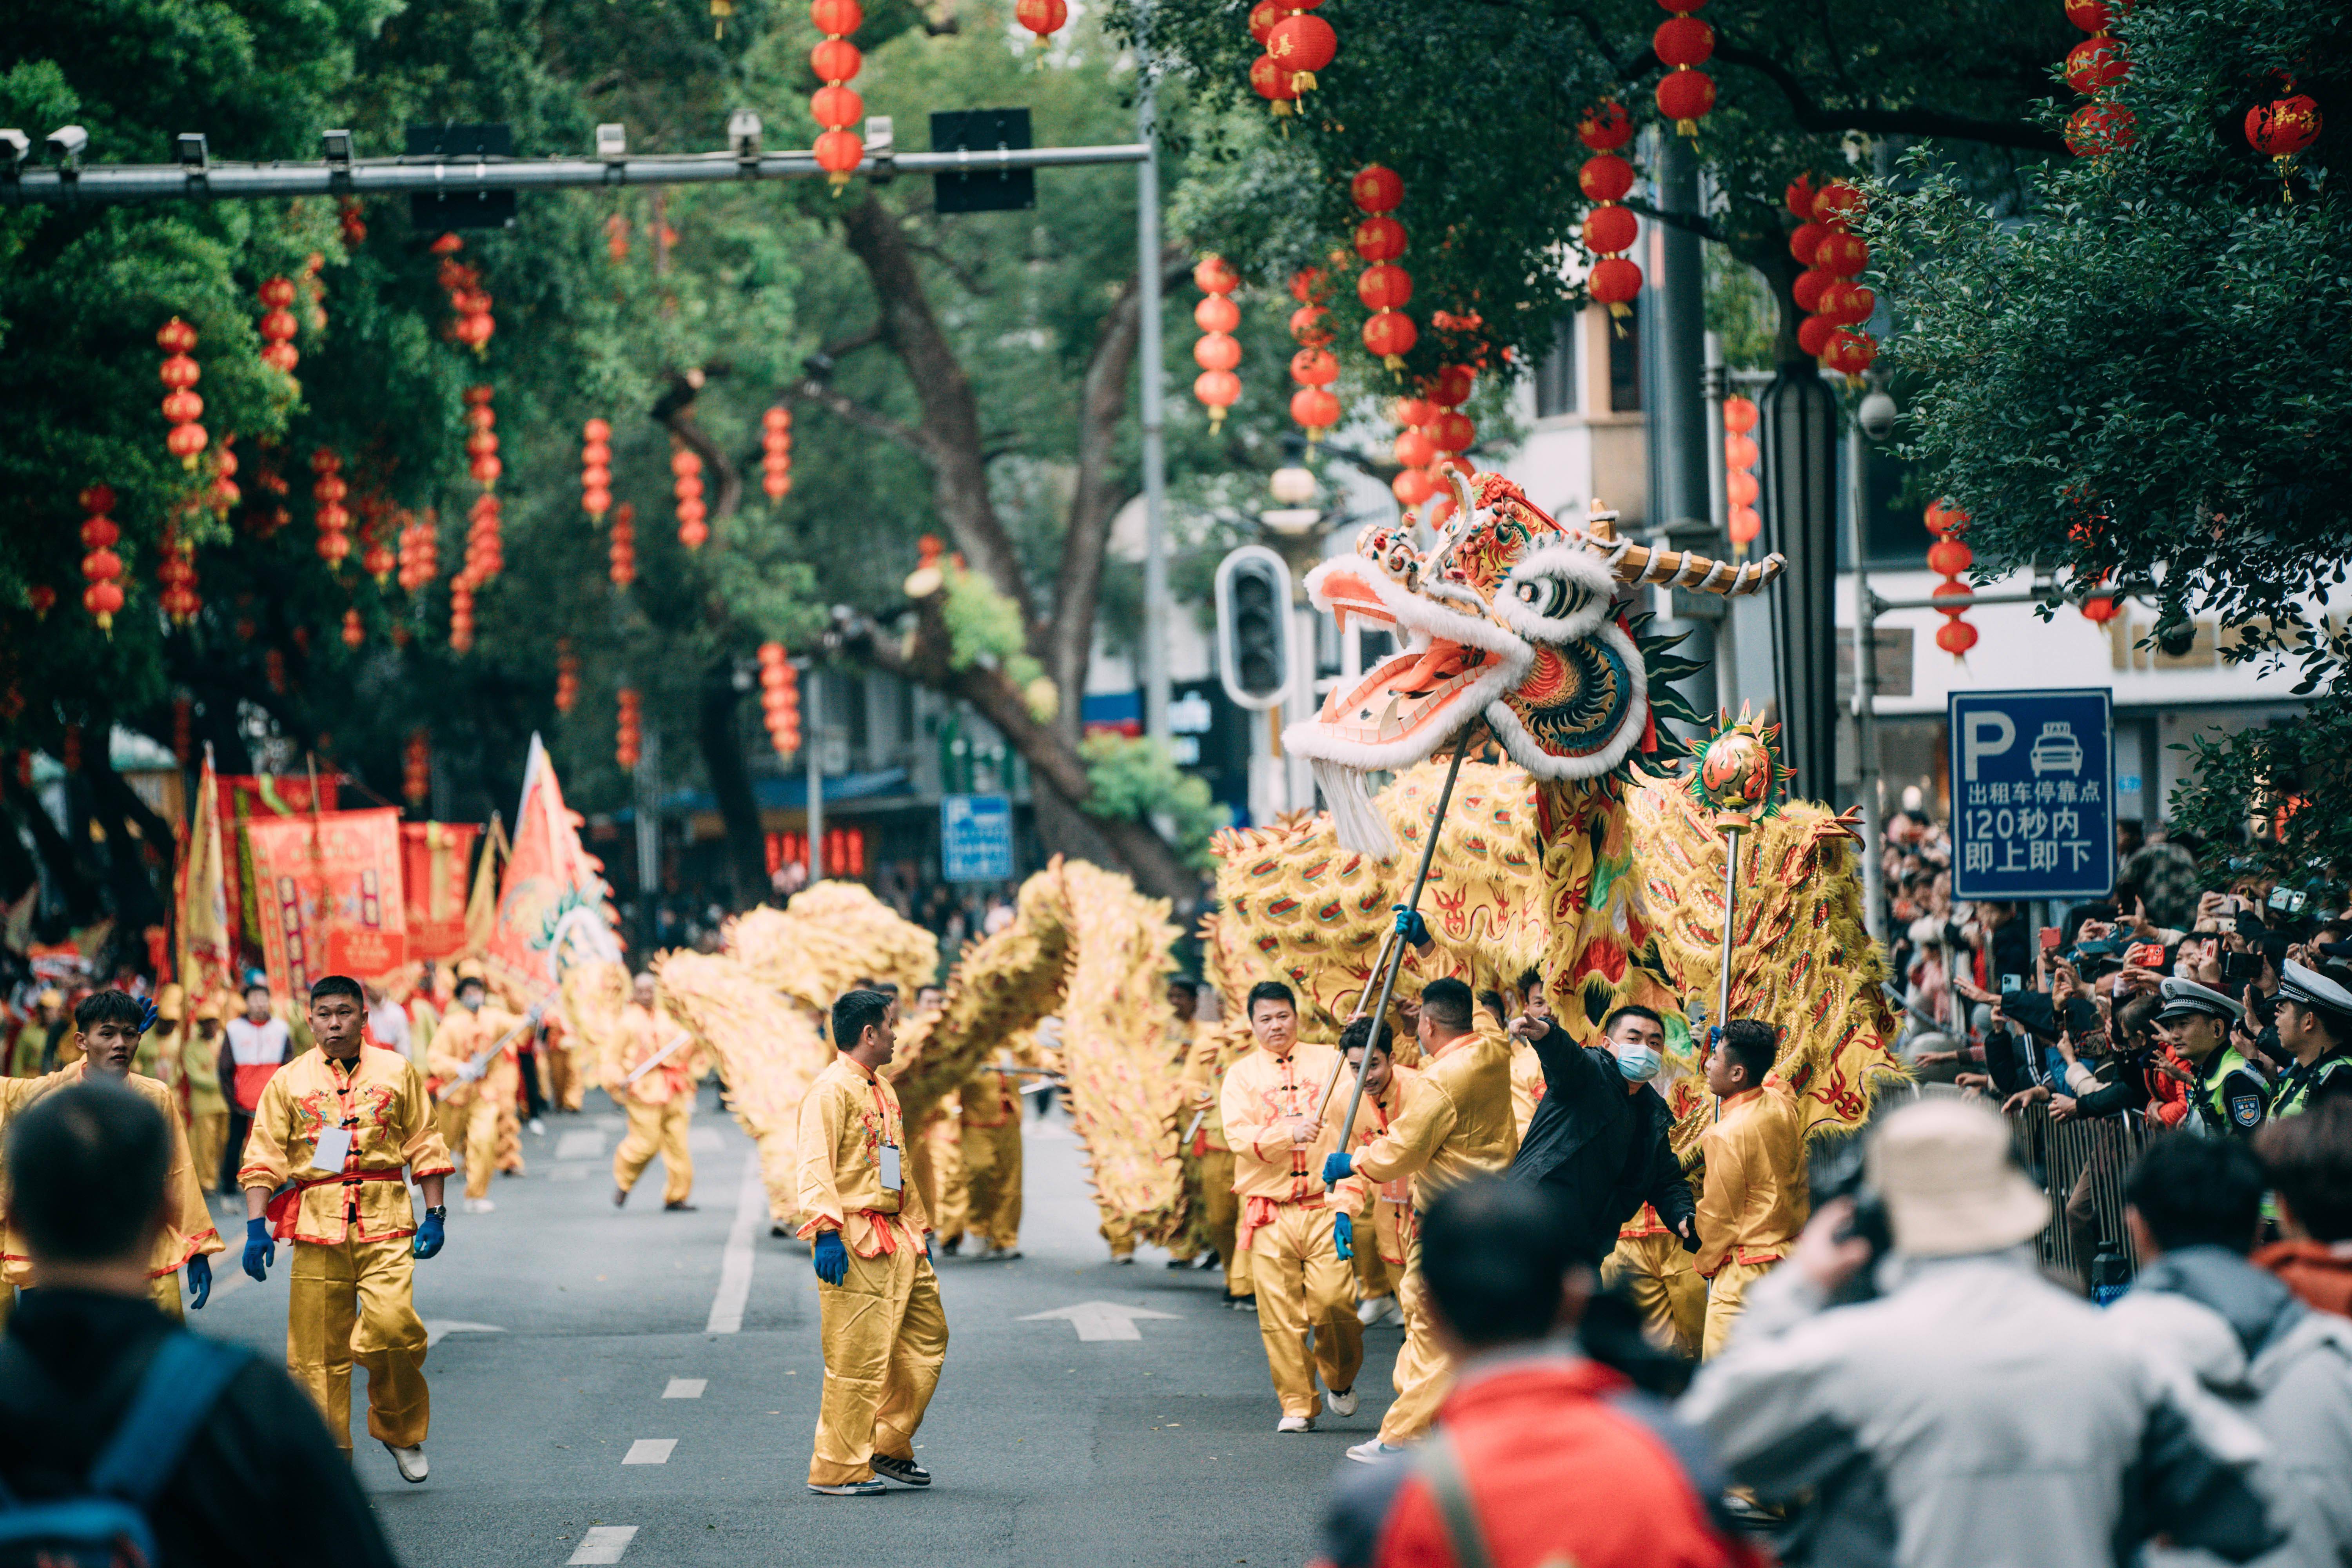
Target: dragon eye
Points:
x,y
1551,597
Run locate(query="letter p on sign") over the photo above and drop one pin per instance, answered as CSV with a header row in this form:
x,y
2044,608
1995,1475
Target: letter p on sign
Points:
x,y
1989,735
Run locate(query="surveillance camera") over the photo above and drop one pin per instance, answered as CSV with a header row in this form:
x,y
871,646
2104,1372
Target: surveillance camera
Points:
x,y
194,154
14,148
1878,415
743,133
65,143
2176,634
335,146
611,142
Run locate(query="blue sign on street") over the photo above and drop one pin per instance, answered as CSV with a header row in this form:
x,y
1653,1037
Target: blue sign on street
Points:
x,y
2033,793
976,837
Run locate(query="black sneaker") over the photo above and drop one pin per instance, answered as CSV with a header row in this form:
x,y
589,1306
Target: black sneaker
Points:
x,y
620,1197
906,1472
681,1207
952,1248
850,1488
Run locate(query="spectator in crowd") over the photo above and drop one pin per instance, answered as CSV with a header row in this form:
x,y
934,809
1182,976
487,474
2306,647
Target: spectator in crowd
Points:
x,y
1540,1456
2194,1204
256,1480
1977,1413
2164,874
2309,1159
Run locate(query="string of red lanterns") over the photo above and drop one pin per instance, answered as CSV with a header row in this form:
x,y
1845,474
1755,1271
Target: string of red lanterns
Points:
x,y
420,551
1266,77
277,325
1413,451
1740,488
596,468
1833,257
1043,17
685,465
1449,429
1610,229
182,407
468,299
354,629
624,545
485,544
377,557
101,568
349,218
416,768
836,105
177,573
2282,129
461,615
1947,558
1217,387
631,736
1389,334
2093,69
223,494
1682,44
779,699
334,521
1313,367
567,676
776,453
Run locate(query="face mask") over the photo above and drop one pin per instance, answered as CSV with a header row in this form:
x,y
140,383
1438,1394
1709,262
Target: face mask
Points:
x,y
1638,1064
471,1004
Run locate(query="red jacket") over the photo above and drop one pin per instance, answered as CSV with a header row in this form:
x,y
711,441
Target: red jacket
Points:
x,y
1565,1462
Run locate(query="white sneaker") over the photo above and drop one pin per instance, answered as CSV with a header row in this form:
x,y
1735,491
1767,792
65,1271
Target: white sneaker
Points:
x,y
411,1461
480,1206
1373,1452
538,1128
1295,1424
1374,1309
1342,1403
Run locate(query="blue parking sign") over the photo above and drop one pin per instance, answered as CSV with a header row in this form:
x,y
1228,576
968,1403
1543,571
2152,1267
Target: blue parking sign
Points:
x,y
2033,794
976,838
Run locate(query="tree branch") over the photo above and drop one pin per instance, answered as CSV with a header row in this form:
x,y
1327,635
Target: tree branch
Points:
x,y
1812,116
865,418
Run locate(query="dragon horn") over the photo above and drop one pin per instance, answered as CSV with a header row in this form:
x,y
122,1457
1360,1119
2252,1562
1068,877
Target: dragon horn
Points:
x,y
1684,569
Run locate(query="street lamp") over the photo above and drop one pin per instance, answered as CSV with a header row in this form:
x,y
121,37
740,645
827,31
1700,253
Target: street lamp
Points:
x,y
1874,418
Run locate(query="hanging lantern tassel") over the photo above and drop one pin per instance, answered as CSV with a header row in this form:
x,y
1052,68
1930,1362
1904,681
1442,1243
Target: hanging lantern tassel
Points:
x,y
2282,129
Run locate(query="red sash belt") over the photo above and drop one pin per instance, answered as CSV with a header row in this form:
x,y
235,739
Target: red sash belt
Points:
x,y
286,1206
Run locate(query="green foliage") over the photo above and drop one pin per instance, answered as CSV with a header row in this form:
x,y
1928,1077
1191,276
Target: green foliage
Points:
x,y
984,628
2265,800
1135,780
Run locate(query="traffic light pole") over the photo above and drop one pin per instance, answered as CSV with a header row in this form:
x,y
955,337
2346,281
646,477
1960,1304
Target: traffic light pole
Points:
x,y
1154,373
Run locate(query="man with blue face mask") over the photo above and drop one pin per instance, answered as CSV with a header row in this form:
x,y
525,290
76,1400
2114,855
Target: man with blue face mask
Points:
x,y
1597,1144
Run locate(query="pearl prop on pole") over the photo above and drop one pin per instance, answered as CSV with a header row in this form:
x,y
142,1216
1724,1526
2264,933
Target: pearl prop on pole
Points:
x,y
1739,779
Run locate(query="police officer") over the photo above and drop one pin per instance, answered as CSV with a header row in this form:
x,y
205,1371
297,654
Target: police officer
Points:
x,y
2314,1027
2226,1097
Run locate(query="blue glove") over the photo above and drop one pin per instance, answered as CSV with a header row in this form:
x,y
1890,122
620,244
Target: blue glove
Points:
x,y
1335,1166
430,1234
147,1014
260,1252
200,1282
1410,926
1343,1231
831,1258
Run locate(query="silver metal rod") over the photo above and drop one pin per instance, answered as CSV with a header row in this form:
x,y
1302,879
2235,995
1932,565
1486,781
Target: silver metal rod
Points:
x,y
1730,912
1421,880
1340,1059
1865,684
813,755
109,184
1153,374
1879,607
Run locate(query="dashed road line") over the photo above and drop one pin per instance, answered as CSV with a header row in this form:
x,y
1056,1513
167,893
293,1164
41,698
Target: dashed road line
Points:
x,y
649,1451
603,1543
735,1269
686,1388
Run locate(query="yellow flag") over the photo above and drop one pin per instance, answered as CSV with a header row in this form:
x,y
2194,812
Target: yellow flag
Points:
x,y
482,905
206,957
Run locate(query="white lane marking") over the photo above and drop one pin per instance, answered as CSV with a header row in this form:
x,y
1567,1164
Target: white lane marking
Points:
x,y
1101,1319
580,1144
735,1268
439,1329
649,1451
686,1388
570,1172
603,1543
706,1141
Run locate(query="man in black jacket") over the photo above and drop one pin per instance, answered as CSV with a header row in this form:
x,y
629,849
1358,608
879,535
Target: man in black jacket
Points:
x,y
1599,1143
260,1483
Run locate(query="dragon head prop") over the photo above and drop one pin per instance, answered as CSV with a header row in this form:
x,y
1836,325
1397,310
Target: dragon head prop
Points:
x,y
1512,619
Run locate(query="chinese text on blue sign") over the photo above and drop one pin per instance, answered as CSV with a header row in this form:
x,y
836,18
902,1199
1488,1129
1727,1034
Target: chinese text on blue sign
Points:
x,y
976,837
2034,789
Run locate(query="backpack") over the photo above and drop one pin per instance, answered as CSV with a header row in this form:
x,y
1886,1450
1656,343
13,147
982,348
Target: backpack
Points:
x,y
105,1525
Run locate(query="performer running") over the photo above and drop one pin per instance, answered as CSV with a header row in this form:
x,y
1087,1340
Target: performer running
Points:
x,y
1280,1131
881,1324
473,1057
108,1027
990,1147
1755,1201
1457,1127
340,1123
659,1101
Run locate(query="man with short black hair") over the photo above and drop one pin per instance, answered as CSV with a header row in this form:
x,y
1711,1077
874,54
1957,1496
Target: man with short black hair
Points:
x,y
1754,1200
340,1123
258,1482
883,1331
1540,1456
108,1028
1458,1126
1379,1252
2227,1097
1597,1143
2309,1159
1208,1154
2315,1026
2193,1206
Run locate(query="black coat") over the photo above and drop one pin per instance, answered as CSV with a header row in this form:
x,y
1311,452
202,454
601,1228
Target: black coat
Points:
x,y
1599,1152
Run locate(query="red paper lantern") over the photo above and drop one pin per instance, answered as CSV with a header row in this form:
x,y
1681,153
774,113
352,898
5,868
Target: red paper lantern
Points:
x,y
1217,351
624,545
1605,177
1377,189
1213,275
1614,283
2097,129
1312,367
1610,229
1605,127
1262,19
1413,449
836,18
836,108
1738,415
1452,432
1216,313
1308,286
838,154
1813,335
1270,81
2101,608
1841,254
2095,64
1217,390
1315,409
1805,240
1948,557
1412,487
1684,97
1684,42
1384,287
1800,196
2282,129
1451,389
1956,638
1041,16
2091,16
1389,336
1838,203
1380,238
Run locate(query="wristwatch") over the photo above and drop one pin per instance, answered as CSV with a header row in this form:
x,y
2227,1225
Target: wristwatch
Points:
x,y
438,1211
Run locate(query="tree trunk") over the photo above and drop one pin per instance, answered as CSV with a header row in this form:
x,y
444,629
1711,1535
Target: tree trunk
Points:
x,y
731,785
74,887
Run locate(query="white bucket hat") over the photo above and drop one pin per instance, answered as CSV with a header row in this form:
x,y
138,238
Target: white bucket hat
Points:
x,y
1943,1167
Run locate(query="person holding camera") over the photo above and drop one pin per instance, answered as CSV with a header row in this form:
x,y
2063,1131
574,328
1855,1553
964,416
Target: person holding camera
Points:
x,y
1975,1414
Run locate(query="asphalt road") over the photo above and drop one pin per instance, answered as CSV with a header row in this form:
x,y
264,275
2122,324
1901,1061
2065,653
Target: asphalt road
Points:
x,y
640,1387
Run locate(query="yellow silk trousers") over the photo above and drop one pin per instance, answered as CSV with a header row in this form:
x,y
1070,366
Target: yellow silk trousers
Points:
x,y
885,1336
992,1168
1657,1275
658,1129
939,1177
207,1136
1302,1285
1222,1209
1424,1375
164,1290
351,1302
1726,1298
779,1172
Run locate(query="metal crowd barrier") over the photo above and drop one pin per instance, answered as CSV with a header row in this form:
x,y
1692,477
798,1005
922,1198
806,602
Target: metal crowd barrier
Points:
x,y
2080,1164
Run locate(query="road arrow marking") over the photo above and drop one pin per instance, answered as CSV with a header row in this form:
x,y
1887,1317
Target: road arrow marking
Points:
x,y
604,1543
1101,1319
439,1329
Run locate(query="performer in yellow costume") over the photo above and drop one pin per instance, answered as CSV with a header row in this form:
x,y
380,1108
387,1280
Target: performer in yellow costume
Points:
x,y
884,1332
30,1056
1457,1126
108,1029
659,1100
1274,1118
200,1086
340,1121
990,1143
1754,1200
474,1059
1209,1157
1387,1205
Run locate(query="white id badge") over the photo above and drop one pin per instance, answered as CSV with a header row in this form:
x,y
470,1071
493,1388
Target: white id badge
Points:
x,y
334,1148
890,1167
